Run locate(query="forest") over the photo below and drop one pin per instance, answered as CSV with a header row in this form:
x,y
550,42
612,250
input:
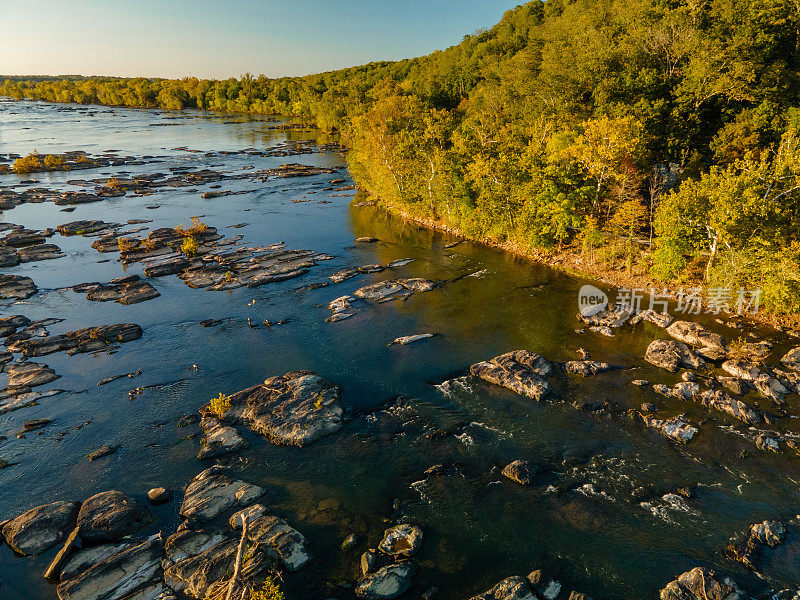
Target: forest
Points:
x,y
659,138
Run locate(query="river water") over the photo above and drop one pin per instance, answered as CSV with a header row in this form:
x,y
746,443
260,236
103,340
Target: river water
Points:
x,y
596,519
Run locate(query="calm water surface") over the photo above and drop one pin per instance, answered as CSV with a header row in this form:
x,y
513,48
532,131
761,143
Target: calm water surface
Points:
x,y
583,521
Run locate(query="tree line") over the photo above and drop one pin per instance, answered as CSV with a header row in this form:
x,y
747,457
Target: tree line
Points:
x,y
584,124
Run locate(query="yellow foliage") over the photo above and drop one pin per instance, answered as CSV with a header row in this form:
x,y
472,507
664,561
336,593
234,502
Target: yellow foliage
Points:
x,y
220,405
28,164
269,591
189,246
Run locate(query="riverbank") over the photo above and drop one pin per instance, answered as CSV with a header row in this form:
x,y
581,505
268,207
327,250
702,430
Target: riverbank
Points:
x,y
571,260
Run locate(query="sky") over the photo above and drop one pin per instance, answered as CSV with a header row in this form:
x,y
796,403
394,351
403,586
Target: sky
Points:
x,y
201,38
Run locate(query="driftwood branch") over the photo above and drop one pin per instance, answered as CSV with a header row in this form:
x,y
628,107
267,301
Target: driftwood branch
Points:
x,y
237,566
54,570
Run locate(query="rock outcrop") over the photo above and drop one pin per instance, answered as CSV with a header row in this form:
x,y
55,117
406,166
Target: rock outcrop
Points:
x,y
41,528
212,493
520,371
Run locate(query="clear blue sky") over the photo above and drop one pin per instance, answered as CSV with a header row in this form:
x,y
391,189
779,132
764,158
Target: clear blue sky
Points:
x,y
175,38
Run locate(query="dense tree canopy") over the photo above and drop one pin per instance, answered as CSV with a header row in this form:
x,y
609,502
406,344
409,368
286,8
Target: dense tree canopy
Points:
x,y
569,122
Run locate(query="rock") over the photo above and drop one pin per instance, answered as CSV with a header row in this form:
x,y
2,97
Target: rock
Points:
x,y
767,443
251,512
393,288
101,452
520,471
23,238
29,374
648,407
770,387
41,528
108,516
118,576
677,428
400,262
371,268
402,540
219,439
39,252
349,542
124,293
90,339
386,583
586,367
88,557
366,240
512,588
295,409
612,317
343,275
187,543
287,542
670,355
733,384
695,334
16,287
686,390
520,371
701,584
601,329
640,382
410,339
83,227
724,402
742,369
207,573
212,492
159,495
368,561
792,359
769,533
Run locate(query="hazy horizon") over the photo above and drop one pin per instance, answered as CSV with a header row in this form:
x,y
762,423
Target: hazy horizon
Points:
x,y
208,40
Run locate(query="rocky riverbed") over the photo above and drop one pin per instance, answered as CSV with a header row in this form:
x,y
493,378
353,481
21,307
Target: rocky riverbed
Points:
x,y
209,345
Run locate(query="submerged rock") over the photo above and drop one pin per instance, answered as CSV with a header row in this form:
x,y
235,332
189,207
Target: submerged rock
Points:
x,y
612,317
520,371
295,409
108,516
401,540
724,402
212,492
671,355
343,275
768,533
41,528
701,584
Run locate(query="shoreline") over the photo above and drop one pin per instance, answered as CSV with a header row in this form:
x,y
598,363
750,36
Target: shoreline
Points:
x,y
572,263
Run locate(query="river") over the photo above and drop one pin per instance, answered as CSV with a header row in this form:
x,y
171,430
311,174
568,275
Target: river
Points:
x,y
599,518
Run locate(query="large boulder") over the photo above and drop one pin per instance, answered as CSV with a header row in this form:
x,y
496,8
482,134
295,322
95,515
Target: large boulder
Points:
x,y
695,334
212,492
520,371
295,409
701,584
108,516
118,576
512,588
671,355
88,557
402,540
288,544
386,583
41,528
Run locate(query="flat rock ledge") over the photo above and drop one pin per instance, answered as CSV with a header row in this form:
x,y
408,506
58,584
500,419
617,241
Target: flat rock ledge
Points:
x,y
212,493
702,584
520,371
295,409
